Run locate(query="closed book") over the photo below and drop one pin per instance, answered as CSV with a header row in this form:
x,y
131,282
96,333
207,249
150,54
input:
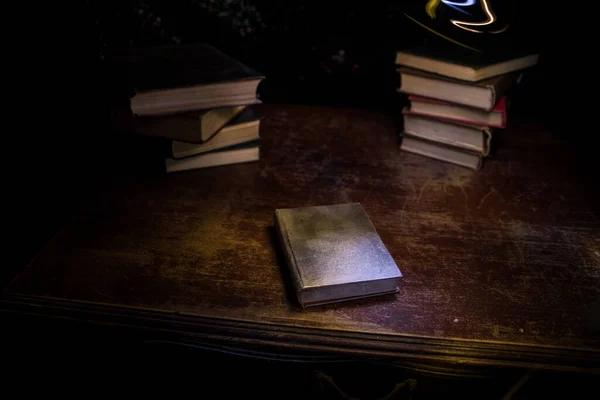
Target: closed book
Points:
x,y
192,127
178,78
464,65
334,253
483,95
244,128
441,152
454,112
473,138
234,155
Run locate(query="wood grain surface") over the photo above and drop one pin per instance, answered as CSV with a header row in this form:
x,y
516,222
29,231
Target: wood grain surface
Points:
x,y
504,260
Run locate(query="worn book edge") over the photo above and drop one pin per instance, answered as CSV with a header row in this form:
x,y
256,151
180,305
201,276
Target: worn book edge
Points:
x,y
218,118
227,137
289,254
495,87
484,130
405,146
467,71
488,141
430,85
500,109
341,299
243,153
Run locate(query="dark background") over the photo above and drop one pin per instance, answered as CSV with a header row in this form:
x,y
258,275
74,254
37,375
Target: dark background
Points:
x,y
328,52
334,53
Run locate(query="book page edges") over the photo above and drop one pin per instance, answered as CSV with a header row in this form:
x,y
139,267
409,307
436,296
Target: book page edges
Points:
x,y
486,133
307,302
436,156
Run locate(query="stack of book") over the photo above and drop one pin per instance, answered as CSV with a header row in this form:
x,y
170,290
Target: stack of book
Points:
x,y
195,98
454,105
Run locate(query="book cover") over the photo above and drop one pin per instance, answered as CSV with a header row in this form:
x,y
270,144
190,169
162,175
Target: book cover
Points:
x,y
334,253
180,78
177,66
465,65
192,127
244,128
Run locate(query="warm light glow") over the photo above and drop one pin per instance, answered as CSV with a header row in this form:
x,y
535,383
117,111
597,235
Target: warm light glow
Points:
x,y
463,6
431,6
441,35
491,18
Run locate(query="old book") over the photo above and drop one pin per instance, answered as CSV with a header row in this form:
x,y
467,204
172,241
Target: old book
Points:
x,y
192,127
441,152
234,155
454,112
334,253
178,78
483,95
464,65
244,128
468,137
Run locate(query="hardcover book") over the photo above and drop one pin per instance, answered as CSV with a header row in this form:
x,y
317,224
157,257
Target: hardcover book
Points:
x,y
441,152
483,95
244,128
191,127
454,112
334,253
472,138
178,78
466,66
242,153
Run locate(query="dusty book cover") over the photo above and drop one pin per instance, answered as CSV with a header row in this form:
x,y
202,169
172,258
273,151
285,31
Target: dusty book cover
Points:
x,y
334,253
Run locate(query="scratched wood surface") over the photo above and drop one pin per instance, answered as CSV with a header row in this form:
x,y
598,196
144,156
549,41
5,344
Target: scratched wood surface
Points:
x,y
507,254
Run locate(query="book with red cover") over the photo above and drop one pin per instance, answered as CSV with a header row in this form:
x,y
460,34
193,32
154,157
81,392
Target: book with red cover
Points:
x,y
454,112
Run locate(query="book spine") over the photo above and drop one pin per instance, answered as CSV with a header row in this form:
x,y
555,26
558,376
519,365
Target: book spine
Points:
x,y
493,99
500,88
488,142
289,256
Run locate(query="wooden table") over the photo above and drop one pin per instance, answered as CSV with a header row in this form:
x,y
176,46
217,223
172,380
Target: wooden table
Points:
x,y
501,267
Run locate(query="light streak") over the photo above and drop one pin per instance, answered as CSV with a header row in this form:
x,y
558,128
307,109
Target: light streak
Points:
x,y
441,35
491,18
465,3
431,6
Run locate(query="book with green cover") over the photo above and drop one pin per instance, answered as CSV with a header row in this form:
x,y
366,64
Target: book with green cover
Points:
x,y
178,78
465,65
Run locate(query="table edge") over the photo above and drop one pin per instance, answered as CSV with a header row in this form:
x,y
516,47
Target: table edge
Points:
x,y
292,338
